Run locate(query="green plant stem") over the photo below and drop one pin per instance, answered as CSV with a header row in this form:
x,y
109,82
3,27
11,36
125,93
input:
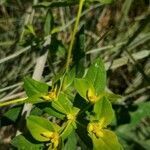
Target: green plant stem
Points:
x,y
73,34
12,102
72,42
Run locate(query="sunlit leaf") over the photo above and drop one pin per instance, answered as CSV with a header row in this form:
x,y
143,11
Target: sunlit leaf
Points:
x,y
68,128
38,125
96,75
53,112
62,104
103,110
108,141
37,98
71,142
33,87
68,79
13,113
21,143
82,86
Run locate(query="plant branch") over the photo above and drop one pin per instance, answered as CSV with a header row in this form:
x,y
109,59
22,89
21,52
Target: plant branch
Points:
x,y
12,102
73,34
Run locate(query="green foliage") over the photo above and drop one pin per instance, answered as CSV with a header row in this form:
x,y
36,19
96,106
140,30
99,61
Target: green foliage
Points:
x,y
33,87
75,109
13,113
103,109
62,104
71,142
107,142
38,126
96,75
21,143
68,79
98,111
82,86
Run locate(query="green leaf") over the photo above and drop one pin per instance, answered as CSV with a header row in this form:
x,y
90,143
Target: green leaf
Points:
x,y
96,75
13,113
36,111
108,141
68,79
103,110
143,111
71,142
82,86
62,104
33,87
54,112
38,125
48,23
21,143
68,128
35,98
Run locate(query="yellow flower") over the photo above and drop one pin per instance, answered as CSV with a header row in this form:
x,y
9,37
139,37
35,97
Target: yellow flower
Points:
x,y
97,127
52,95
92,96
53,136
70,117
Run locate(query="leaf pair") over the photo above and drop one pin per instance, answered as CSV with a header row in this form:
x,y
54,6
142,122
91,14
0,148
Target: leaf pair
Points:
x,y
92,89
108,141
45,131
92,86
103,138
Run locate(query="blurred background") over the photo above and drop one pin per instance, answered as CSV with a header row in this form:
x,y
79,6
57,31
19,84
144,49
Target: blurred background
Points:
x,y
119,33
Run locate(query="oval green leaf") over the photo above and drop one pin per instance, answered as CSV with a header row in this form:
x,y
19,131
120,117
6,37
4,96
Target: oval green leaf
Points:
x,y
82,86
38,125
62,104
103,110
108,141
96,75
33,87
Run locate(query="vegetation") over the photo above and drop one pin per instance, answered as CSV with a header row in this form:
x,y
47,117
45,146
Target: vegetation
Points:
x,y
74,74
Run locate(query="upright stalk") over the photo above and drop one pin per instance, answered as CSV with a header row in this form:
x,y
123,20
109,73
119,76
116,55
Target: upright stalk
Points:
x,y
73,34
